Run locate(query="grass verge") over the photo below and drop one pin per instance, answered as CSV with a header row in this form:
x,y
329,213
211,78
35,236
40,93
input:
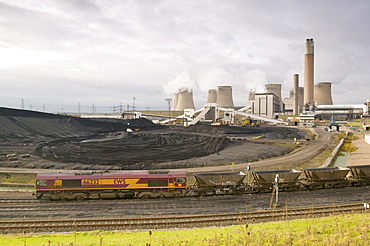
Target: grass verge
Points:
x,y
350,229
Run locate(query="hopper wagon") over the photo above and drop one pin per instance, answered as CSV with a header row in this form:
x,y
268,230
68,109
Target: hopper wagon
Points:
x,y
106,185
219,183
265,180
327,177
360,175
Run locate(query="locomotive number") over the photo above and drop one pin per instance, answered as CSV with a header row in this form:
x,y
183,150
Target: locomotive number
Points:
x,y
119,181
90,182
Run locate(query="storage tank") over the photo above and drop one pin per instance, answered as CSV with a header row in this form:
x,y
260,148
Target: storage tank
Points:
x,y
185,99
212,96
323,94
225,97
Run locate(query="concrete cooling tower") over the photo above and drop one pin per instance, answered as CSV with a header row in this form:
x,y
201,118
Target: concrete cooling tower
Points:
x,y
252,95
185,100
300,98
174,101
212,96
323,93
225,97
309,72
274,88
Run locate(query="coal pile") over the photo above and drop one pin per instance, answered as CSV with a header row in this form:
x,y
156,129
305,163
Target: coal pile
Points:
x,y
137,150
61,141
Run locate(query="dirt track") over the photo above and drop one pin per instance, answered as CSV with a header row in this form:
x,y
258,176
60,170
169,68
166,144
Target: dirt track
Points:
x,y
64,142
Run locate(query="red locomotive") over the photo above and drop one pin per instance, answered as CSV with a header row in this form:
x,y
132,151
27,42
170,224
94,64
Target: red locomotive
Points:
x,y
100,185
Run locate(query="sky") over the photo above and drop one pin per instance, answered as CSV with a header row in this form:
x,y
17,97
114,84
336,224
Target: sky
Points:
x,y
101,55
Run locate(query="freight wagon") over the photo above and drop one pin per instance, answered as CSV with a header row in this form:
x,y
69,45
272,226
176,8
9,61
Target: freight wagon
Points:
x,y
265,180
328,177
360,175
100,185
219,183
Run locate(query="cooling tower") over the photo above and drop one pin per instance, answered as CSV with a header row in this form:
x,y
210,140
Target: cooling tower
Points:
x,y
174,101
274,88
212,96
225,97
296,94
323,93
185,100
309,73
252,95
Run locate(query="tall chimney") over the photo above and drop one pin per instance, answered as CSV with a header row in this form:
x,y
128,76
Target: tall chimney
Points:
x,y
309,72
296,94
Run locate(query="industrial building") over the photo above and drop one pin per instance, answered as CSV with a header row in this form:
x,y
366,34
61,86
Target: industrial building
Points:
x,y
311,100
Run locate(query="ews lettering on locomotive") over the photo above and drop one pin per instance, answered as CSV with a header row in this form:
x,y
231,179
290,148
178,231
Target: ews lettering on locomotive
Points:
x,y
119,181
90,182
87,182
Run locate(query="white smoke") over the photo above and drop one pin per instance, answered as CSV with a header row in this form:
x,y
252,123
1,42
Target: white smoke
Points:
x,y
255,80
211,78
182,80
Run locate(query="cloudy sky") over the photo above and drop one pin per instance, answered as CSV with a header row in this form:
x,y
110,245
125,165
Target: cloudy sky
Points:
x,y
58,54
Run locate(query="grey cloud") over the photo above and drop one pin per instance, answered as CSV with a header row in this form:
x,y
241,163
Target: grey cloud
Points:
x,y
112,51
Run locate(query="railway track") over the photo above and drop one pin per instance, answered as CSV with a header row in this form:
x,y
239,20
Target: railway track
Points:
x,y
151,223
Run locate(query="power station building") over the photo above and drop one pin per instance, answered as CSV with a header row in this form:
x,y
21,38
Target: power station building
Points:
x,y
311,99
266,104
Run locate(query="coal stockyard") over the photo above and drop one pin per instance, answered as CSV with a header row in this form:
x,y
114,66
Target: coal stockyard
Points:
x,y
66,142
34,142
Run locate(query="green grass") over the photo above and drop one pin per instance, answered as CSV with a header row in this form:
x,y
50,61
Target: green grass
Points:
x,y
335,230
18,178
